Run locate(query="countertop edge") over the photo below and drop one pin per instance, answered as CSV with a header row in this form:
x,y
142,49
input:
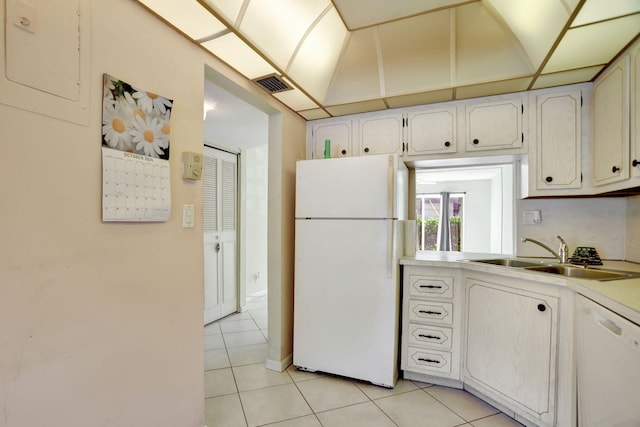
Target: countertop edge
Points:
x,y
621,296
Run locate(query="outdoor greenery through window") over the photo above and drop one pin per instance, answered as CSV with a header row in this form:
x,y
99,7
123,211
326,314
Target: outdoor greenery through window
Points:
x,y
428,210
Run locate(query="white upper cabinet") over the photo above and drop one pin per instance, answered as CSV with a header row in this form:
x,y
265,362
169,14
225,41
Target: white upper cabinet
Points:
x,y
431,131
381,134
494,125
611,124
339,133
635,111
558,140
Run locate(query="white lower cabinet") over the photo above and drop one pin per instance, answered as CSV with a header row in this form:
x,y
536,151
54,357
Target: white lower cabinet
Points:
x,y
431,320
511,347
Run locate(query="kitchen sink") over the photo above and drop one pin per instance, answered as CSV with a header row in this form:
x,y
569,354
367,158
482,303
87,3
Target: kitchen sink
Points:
x,y
583,273
509,262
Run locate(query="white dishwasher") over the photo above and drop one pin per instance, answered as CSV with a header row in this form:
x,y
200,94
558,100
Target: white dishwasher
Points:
x,y
608,367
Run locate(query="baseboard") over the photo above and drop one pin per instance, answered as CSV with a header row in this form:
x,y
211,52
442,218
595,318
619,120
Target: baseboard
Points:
x,y
281,365
431,379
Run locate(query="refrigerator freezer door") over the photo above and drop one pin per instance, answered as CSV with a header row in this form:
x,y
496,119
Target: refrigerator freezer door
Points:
x,y
346,298
352,187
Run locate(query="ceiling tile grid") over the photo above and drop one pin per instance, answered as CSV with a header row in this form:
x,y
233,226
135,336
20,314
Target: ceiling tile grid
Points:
x,y
349,56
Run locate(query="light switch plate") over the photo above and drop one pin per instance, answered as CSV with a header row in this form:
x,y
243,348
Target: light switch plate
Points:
x,y
188,216
532,217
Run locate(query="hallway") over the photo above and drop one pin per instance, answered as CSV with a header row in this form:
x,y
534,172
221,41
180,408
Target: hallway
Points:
x,y
241,392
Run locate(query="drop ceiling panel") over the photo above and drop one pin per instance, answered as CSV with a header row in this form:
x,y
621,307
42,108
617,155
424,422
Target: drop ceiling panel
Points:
x,y
535,23
296,100
363,13
190,17
593,44
416,53
485,50
420,98
277,26
317,58
228,9
598,10
357,107
494,88
314,114
357,76
238,55
567,77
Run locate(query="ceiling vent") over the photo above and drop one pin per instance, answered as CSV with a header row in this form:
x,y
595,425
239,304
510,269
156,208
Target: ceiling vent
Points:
x,y
272,83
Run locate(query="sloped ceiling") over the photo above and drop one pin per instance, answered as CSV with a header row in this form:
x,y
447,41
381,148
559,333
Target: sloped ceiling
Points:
x,y
350,56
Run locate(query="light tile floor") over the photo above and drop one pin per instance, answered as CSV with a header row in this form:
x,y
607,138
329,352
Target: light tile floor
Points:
x,y
241,392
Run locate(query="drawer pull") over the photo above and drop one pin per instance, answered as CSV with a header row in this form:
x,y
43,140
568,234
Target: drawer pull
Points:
x,y
431,337
430,312
431,286
421,359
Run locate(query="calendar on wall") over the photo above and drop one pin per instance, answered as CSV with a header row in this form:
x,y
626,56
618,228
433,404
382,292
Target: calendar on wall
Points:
x,y
134,187
136,184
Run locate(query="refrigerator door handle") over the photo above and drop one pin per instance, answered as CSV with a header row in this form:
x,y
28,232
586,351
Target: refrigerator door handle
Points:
x,y
390,187
389,248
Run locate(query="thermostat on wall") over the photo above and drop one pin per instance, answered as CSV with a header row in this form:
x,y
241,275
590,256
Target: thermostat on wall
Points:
x,y
191,165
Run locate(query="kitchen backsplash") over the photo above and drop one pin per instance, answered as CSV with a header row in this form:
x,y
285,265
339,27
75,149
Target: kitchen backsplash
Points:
x,y
606,224
632,232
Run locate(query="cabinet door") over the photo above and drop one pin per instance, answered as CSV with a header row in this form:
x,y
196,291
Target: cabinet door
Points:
x,y
611,125
338,133
381,134
635,111
608,365
558,141
431,132
494,125
511,349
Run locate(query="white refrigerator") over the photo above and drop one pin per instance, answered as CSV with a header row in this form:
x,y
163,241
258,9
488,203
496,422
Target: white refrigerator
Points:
x,y
349,238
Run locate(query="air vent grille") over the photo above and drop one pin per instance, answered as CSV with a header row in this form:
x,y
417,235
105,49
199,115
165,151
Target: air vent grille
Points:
x,y
272,83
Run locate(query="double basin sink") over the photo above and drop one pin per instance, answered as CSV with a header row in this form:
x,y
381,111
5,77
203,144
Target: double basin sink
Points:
x,y
565,270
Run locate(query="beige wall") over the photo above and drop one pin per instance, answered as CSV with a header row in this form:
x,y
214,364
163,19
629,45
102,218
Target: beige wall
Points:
x,y
101,323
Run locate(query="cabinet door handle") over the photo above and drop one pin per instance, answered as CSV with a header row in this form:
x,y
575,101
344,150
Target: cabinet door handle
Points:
x,y
615,169
429,312
542,307
549,179
635,163
366,149
431,337
422,359
476,142
344,152
610,325
447,144
431,286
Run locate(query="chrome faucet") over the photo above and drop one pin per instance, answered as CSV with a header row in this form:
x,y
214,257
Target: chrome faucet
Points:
x,y
562,254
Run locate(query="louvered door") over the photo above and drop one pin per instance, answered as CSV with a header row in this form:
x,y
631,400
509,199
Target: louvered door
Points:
x,y
219,224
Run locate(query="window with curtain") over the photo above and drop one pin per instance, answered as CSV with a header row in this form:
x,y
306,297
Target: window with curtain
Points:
x,y
439,221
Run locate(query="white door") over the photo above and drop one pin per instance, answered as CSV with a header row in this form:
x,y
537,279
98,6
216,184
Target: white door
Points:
x,y
219,224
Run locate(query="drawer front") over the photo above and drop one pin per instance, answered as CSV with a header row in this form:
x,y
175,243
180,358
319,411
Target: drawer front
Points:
x,y
432,336
431,311
430,286
420,359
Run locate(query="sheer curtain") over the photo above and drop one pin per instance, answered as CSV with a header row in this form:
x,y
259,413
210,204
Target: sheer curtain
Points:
x,y
444,228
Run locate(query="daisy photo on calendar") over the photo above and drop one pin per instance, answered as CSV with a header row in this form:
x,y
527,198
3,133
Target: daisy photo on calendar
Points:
x,y
135,120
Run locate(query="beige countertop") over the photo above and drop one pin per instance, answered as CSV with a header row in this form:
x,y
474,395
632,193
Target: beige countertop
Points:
x,y
621,296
